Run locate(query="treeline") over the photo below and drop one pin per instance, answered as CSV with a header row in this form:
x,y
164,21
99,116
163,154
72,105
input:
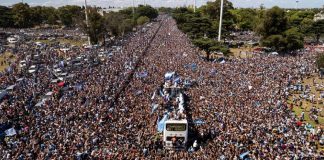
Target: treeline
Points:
x,y
282,30
21,15
123,21
117,23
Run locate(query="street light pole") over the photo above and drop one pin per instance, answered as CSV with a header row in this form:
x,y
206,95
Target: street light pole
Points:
x,y
133,7
195,6
87,20
220,21
297,4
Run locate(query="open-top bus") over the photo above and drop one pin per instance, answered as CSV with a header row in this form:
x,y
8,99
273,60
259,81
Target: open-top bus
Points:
x,y
175,134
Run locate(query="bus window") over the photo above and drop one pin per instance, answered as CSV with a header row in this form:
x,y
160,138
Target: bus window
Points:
x,y
176,127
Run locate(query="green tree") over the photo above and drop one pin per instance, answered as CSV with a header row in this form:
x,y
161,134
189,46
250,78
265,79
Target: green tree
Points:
x,y
274,22
320,61
112,23
125,26
245,18
165,10
6,17
147,11
142,20
50,15
22,15
317,29
96,27
276,42
294,39
37,15
128,12
306,25
210,45
198,27
259,20
70,15
212,9
277,34
182,15
296,18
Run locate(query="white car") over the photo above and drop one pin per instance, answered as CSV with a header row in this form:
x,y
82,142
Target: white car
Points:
x,y
22,64
32,69
57,71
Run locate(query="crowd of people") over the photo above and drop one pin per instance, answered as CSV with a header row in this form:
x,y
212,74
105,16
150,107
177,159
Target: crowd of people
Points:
x,y
105,111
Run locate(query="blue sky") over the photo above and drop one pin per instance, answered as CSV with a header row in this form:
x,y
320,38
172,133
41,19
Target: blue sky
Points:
x,y
171,3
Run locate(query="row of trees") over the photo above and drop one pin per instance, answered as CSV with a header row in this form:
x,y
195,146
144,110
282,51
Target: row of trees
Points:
x,y
284,31
280,29
117,23
202,26
21,15
123,21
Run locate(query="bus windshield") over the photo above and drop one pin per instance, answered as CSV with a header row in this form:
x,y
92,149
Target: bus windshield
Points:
x,y
176,127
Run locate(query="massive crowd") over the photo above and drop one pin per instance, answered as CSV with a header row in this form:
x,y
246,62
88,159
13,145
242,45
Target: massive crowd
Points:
x,y
104,110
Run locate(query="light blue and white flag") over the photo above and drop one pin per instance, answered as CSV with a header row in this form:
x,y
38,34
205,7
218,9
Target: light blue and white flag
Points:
x,y
10,132
154,107
162,123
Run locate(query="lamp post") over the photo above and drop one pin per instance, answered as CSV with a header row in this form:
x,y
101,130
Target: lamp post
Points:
x,y
297,4
87,19
133,7
220,21
194,6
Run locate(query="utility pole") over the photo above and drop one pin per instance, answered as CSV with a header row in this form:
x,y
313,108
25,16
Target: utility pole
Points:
x,y
87,19
220,21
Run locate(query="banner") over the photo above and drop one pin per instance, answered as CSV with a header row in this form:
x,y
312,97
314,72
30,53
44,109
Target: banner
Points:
x,y
161,123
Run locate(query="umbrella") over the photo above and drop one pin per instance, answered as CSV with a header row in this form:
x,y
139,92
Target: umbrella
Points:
x,y
142,74
299,123
61,84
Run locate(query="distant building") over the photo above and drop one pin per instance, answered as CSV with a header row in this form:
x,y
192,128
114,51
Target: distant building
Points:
x,y
319,16
107,10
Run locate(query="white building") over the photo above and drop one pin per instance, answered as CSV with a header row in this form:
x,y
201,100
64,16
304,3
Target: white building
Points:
x,y
319,16
107,10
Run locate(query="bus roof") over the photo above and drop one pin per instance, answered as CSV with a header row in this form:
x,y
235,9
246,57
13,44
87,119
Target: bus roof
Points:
x,y
176,121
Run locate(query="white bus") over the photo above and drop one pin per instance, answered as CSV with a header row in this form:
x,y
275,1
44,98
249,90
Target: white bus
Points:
x,y
175,134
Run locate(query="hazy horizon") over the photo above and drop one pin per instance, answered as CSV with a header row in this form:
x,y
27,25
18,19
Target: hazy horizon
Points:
x,y
170,3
